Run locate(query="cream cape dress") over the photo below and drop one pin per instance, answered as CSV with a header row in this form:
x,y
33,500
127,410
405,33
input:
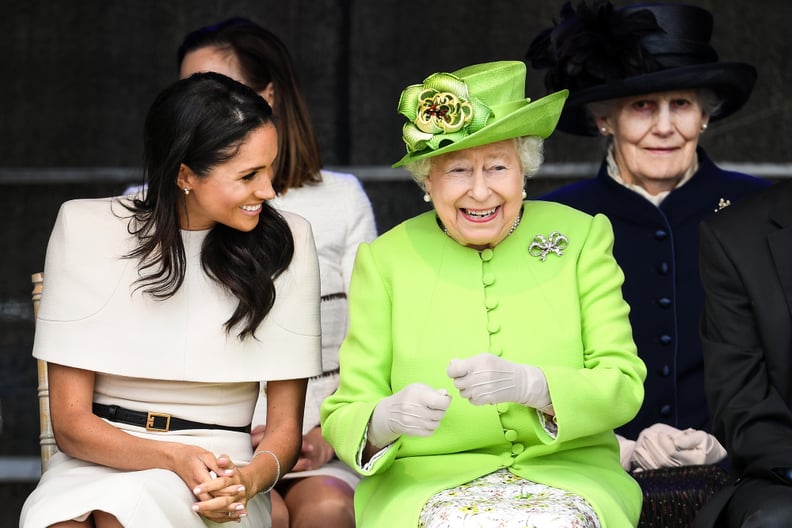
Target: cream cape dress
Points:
x,y
170,356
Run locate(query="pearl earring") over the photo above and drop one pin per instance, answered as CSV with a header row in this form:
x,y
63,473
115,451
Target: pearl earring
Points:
x,y
524,194
427,198
186,191
703,127
604,131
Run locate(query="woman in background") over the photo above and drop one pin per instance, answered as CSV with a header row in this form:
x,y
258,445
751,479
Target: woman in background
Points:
x,y
318,492
646,78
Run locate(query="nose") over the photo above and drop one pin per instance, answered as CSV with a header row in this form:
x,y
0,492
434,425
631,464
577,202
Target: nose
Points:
x,y
664,122
479,187
264,189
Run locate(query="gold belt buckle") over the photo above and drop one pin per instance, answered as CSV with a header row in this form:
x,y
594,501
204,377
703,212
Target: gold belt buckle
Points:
x,y
150,426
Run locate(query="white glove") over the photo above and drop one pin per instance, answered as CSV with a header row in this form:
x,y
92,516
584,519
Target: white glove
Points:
x,y
486,378
416,410
661,445
626,449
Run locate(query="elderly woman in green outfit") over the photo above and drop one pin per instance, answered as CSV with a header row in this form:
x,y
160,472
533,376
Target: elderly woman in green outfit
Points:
x,y
489,353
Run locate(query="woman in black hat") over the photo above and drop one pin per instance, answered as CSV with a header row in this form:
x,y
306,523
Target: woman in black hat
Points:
x,y
646,78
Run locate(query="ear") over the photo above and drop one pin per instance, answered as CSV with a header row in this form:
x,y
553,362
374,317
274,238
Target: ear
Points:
x,y
268,94
603,123
185,178
427,185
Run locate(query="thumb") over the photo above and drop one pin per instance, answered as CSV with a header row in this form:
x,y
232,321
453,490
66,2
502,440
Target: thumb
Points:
x,y
456,369
690,439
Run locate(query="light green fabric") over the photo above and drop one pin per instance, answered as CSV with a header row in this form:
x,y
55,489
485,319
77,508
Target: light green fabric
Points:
x,y
477,105
418,299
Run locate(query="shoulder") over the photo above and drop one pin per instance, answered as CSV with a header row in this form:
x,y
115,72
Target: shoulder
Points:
x,y
340,178
546,222
92,209
729,177
555,215
589,195
748,214
342,183
578,188
298,225
94,221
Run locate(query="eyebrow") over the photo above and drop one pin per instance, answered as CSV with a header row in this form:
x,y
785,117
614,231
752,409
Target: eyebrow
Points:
x,y
251,169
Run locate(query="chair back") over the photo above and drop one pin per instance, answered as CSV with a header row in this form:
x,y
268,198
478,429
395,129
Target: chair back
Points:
x,y
46,435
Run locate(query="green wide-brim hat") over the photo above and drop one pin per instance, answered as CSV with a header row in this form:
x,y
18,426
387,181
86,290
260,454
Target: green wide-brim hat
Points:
x,y
474,106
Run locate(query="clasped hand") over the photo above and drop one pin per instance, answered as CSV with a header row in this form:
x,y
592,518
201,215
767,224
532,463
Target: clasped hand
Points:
x,y
218,485
417,409
661,445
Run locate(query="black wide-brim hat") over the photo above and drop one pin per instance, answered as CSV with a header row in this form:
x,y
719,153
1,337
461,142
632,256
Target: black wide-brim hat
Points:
x,y
599,53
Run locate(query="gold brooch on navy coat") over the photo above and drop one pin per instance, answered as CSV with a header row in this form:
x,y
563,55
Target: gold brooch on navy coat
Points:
x,y
723,203
541,246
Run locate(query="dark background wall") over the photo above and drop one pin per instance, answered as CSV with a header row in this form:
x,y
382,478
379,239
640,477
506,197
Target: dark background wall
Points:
x,y
78,76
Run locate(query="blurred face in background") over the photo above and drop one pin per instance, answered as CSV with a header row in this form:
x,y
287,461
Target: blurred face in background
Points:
x,y
218,60
654,136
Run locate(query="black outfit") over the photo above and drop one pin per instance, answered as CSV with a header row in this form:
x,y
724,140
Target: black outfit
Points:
x,y
746,332
657,248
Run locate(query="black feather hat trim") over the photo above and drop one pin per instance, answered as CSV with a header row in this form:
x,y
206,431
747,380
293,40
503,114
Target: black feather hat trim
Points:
x,y
600,52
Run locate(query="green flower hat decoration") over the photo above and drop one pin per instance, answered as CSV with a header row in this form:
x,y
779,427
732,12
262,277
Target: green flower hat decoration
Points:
x,y
474,106
438,110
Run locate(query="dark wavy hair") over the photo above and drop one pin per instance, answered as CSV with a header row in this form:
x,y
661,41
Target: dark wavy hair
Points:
x,y
264,59
201,122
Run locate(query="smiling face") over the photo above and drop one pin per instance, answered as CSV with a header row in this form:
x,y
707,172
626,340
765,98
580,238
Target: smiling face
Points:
x,y
477,192
655,137
233,192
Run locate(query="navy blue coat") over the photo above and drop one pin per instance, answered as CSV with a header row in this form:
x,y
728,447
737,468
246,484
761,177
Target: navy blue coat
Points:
x,y
657,248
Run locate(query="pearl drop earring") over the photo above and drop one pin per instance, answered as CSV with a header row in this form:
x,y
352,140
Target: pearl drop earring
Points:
x,y
604,131
186,191
703,127
524,194
427,198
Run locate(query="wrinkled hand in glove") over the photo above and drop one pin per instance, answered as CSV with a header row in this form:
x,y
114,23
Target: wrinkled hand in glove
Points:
x,y
661,445
486,378
416,410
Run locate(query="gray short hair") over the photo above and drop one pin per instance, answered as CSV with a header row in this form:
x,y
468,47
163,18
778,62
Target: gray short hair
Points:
x,y
530,150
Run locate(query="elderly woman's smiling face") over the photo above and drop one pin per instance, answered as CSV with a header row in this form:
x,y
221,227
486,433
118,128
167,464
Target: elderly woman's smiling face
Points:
x,y
654,136
477,192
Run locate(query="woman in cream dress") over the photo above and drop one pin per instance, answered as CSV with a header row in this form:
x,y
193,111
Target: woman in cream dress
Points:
x,y
161,314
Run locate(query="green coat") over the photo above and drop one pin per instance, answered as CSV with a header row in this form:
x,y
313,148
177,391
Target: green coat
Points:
x,y
419,299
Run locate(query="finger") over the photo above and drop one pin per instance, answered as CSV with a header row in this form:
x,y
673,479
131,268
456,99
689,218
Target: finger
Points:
x,y
691,440
302,464
457,368
215,507
438,400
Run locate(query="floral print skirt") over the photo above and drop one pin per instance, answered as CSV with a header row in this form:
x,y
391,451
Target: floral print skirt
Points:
x,y
504,500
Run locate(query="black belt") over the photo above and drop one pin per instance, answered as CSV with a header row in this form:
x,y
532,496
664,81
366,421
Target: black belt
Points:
x,y
326,373
154,421
333,296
